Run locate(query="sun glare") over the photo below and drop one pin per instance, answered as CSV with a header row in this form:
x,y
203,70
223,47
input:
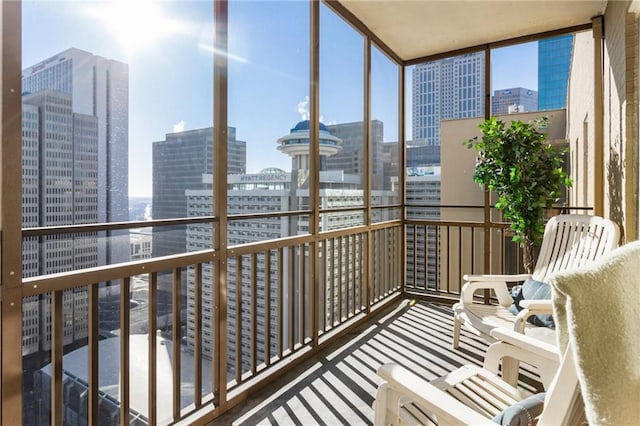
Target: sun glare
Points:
x,y
137,24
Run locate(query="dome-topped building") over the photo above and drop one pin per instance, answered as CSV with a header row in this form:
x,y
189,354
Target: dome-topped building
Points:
x,y
296,144
272,171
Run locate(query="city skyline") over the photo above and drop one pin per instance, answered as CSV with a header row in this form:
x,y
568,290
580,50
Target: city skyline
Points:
x,y
270,91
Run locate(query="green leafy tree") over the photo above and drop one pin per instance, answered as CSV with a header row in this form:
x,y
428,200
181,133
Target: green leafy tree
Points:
x,y
524,171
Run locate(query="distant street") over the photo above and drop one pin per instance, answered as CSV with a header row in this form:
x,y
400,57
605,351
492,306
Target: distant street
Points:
x,y
139,295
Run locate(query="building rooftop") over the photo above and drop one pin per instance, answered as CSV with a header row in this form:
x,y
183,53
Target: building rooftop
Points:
x,y
76,367
304,126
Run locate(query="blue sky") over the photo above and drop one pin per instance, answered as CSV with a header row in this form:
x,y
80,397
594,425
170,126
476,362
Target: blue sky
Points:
x,y
169,49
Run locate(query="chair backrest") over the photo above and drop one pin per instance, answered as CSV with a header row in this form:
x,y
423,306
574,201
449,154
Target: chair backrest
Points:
x,y
571,241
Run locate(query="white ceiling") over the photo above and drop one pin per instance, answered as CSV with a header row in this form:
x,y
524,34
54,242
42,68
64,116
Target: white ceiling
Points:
x,y
418,28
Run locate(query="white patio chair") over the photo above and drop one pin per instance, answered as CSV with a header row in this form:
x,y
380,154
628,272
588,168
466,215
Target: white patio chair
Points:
x,y
473,395
570,242
598,323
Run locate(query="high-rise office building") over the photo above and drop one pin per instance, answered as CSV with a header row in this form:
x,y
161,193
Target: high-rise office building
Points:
x,y
422,191
422,188
74,171
271,190
418,154
98,87
179,162
446,89
554,63
513,100
351,158
247,193
60,187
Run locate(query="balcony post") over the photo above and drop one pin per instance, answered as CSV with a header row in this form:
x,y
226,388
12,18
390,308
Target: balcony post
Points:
x,y
487,194
402,170
366,188
11,211
314,169
220,137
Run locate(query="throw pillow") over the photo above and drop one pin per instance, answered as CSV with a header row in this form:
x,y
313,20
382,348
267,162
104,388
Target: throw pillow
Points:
x,y
533,290
522,413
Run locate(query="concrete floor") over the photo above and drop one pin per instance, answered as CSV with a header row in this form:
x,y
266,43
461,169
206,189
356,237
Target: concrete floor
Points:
x,y
338,386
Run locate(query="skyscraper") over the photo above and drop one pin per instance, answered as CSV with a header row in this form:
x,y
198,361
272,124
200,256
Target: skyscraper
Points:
x,y
554,62
351,158
446,89
179,162
512,100
98,87
59,175
74,171
272,190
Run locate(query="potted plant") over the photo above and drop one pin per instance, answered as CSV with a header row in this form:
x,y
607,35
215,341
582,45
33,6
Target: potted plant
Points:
x,y
524,171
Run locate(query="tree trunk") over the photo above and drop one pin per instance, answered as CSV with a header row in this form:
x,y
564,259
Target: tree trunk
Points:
x,y
528,255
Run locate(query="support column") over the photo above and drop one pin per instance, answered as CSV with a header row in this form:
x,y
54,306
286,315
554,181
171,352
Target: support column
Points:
x,y
598,119
11,211
487,194
402,168
314,166
220,138
366,187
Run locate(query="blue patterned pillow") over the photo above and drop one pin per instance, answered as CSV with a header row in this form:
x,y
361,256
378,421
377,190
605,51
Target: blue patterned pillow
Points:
x,y
532,289
522,413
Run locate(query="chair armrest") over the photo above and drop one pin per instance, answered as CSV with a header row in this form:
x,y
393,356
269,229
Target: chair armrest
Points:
x,y
517,347
447,409
497,283
526,343
530,308
502,278
538,306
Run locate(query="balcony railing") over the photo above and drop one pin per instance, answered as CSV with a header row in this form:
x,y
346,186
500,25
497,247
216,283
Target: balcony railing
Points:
x,y
230,334
233,335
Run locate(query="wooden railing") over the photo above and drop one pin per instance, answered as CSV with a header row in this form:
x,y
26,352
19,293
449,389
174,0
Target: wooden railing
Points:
x,y
224,339
439,253
238,318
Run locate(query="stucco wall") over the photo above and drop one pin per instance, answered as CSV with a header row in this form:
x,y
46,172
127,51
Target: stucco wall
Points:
x,y
620,133
621,115
614,110
633,114
459,189
580,125
458,162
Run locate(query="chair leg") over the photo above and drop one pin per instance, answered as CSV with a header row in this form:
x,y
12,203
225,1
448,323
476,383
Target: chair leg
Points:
x,y
456,332
380,406
510,370
385,406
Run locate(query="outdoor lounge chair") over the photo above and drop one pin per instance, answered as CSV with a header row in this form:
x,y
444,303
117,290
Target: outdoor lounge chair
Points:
x,y
598,323
569,243
473,395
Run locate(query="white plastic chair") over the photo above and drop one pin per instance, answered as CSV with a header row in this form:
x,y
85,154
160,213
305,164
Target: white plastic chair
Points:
x,y
569,242
472,395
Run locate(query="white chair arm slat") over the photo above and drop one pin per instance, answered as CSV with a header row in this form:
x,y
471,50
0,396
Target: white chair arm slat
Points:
x,y
495,277
527,343
448,410
537,306
498,285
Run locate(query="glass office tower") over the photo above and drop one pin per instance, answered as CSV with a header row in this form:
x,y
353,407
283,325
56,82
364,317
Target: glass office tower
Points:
x,y
554,62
